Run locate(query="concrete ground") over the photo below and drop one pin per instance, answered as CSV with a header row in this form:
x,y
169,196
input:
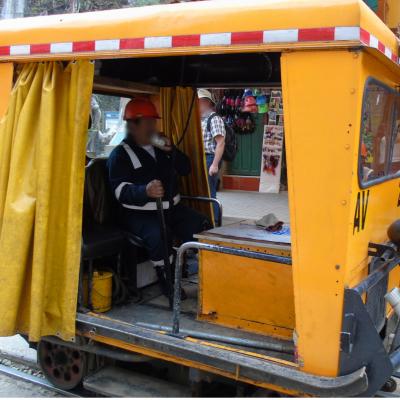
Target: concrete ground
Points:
x,y
17,347
254,205
14,388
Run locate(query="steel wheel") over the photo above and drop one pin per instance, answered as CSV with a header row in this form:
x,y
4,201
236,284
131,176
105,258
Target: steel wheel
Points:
x,y
63,366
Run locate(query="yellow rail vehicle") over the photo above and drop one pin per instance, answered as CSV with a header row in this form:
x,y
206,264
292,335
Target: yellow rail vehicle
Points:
x,y
306,316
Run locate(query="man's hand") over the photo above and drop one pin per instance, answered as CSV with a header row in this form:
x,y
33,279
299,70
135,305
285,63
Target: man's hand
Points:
x,y
154,189
219,151
168,144
213,170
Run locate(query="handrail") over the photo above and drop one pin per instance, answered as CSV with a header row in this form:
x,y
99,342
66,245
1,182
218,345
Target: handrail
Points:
x,y
216,249
208,200
374,278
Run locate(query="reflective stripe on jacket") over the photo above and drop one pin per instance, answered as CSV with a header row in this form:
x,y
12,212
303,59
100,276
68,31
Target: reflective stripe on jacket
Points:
x,y
131,168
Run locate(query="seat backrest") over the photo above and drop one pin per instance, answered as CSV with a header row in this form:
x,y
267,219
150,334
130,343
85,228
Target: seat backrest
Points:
x,y
99,205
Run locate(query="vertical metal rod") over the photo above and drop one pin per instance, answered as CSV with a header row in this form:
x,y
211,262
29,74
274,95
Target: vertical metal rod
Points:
x,y
90,285
80,284
164,237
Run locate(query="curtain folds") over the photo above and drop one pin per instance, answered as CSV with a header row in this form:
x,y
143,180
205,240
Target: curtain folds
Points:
x,y
42,158
175,104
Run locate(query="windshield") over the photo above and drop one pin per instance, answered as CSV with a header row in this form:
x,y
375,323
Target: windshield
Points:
x,y
379,147
107,127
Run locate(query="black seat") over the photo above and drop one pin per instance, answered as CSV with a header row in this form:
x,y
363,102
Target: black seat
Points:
x,y
100,241
100,235
100,206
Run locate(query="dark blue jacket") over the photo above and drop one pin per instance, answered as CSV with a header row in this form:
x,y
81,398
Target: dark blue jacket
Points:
x,y
131,168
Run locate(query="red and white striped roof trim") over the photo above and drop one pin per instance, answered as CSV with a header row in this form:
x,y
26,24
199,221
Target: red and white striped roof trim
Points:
x,y
284,36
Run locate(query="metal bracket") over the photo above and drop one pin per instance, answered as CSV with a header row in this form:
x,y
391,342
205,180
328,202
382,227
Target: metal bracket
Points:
x,y
348,334
366,345
378,250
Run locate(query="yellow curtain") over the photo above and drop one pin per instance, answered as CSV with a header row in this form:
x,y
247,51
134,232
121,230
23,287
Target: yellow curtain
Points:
x,y
42,158
175,107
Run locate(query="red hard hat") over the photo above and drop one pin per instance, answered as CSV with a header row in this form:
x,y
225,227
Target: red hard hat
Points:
x,y
140,108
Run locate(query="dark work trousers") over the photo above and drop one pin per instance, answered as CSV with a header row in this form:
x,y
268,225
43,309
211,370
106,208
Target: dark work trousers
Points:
x,y
182,223
213,183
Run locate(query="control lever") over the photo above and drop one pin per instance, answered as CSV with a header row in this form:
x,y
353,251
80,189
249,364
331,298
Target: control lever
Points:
x,y
164,238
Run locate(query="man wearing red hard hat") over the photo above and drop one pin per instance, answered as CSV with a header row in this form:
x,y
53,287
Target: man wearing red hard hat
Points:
x,y
146,167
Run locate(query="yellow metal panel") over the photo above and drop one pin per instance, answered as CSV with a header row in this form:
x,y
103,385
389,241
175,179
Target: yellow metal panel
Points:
x,y
393,13
373,24
193,18
6,79
383,199
321,102
247,294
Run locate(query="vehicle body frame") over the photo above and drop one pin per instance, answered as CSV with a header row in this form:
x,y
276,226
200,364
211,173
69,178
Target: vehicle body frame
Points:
x,y
329,50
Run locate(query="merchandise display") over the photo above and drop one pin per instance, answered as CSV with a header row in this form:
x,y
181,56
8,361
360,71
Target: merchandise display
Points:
x,y
272,147
250,110
237,107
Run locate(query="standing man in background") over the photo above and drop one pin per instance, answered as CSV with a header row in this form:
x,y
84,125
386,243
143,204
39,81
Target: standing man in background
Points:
x,y
214,133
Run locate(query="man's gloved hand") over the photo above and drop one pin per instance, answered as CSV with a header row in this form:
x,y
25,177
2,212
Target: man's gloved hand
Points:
x,y
154,189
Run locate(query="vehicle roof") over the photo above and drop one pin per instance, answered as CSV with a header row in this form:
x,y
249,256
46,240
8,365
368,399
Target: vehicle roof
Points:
x,y
202,17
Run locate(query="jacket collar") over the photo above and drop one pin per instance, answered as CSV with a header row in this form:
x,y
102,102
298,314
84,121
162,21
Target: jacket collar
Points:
x,y
132,144
129,140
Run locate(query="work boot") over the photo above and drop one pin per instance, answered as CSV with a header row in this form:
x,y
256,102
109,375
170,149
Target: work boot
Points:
x,y
162,281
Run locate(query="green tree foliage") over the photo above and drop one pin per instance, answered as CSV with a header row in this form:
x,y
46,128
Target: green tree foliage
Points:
x,y
373,4
44,7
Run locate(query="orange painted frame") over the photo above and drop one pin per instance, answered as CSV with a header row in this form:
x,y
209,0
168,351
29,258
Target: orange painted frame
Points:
x,y
6,82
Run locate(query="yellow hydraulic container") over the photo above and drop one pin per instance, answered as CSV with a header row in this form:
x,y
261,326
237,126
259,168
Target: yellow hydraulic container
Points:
x,y
101,291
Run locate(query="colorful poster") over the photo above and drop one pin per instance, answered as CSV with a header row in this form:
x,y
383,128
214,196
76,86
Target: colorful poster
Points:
x,y
271,159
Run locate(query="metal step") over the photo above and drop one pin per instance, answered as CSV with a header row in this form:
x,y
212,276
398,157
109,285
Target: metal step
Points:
x,y
119,382
234,364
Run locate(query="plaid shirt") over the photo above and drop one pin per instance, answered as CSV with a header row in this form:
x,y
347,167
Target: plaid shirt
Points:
x,y
217,127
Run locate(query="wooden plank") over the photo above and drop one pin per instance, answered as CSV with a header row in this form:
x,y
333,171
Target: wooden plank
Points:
x,y
119,87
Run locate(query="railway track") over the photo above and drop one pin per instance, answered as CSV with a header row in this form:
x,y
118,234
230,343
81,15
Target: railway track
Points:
x,y
18,366
16,371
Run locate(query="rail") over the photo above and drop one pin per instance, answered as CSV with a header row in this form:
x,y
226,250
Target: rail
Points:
x,y
35,380
216,249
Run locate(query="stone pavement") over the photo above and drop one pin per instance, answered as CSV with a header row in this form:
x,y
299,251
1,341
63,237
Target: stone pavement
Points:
x,y
17,347
254,205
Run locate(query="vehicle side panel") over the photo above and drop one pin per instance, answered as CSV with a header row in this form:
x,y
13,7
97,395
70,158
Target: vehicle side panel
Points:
x,y
322,112
377,205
